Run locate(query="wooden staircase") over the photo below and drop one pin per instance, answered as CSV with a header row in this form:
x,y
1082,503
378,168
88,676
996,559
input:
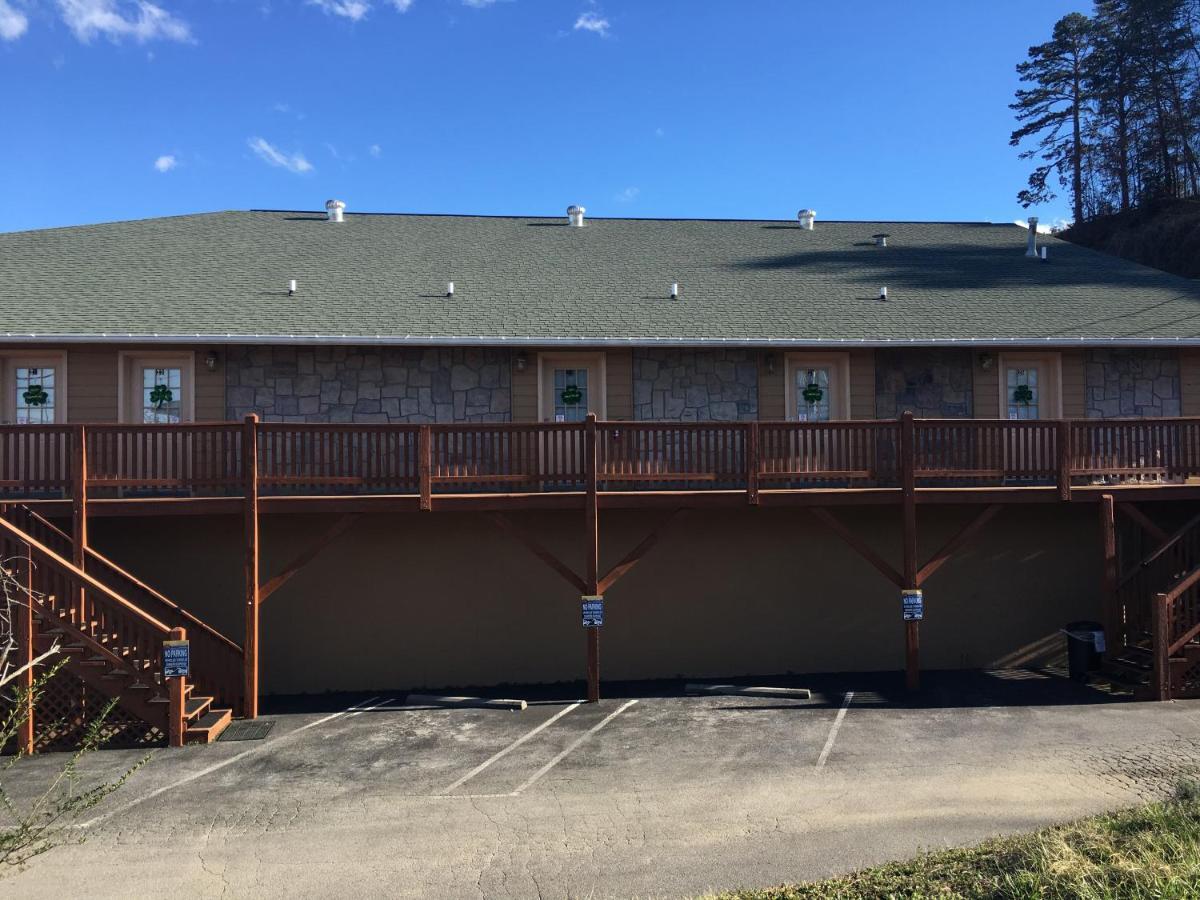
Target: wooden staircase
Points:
x,y
113,644
1156,624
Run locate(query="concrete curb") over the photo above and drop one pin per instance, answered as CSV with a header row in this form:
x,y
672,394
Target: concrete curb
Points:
x,y
467,702
736,690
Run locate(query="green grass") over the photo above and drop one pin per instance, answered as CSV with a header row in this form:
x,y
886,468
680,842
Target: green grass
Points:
x,y
1152,852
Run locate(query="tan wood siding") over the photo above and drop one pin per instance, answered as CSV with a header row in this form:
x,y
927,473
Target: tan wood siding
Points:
x,y
210,387
772,388
92,384
525,389
862,384
618,367
1074,401
986,387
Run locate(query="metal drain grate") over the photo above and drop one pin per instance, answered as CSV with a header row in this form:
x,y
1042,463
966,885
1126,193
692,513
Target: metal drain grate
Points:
x,y
253,730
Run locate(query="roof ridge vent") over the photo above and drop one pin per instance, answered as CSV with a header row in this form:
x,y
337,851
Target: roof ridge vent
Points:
x,y
334,210
575,215
807,217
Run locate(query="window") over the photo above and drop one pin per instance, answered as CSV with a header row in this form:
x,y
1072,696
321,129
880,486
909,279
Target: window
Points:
x,y
571,385
33,388
156,388
818,387
162,395
570,395
1030,386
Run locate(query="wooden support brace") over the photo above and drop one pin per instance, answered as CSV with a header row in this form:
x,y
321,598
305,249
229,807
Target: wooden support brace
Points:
x,y
956,543
1160,635
634,556
591,512
1132,512
908,494
533,546
303,559
858,545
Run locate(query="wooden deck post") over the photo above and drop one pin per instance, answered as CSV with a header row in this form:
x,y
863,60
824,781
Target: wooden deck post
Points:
x,y
1160,625
752,463
425,467
1111,613
908,493
25,636
592,530
1063,442
79,505
176,690
250,528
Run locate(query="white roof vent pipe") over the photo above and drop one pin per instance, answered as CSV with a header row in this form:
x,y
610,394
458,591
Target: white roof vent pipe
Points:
x,y
881,239
674,290
807,217
1031,247
575,216
449,288
883,294
334,210
1043,250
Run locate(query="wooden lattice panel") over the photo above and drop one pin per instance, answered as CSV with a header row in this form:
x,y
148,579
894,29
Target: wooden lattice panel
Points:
x,y
66,708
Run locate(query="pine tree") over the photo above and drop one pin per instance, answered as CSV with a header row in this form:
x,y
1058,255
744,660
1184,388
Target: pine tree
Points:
x,y
1055,108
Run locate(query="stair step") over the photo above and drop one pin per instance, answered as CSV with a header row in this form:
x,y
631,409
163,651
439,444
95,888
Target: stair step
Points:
x,y
1125,666
1124,680
94,661
193,707
209,727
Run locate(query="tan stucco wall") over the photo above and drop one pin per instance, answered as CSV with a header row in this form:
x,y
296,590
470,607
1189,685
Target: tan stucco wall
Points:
x,y
445,599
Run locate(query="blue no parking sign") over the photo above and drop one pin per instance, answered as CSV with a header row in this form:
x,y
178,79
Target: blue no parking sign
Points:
x,y
913,604
593,611
176,659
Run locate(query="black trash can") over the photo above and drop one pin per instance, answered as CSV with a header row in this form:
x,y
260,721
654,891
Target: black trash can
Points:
x,y
1085,643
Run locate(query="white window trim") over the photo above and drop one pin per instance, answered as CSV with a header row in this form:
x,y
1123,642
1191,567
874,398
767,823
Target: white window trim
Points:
x,y
596,362
130,406
839,366
1051,365
50,359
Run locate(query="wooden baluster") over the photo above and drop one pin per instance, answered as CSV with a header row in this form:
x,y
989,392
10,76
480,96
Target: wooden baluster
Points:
x,y
752,435
1064,459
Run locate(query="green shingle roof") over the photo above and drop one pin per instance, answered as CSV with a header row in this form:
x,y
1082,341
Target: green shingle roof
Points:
x,y
383,277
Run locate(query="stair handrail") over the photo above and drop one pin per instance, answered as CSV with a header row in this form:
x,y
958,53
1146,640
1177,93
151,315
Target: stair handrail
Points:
x,y
1172,594
141,585
80,577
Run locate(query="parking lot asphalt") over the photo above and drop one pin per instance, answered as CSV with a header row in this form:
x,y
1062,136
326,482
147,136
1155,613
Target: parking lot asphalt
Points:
x,y
650,793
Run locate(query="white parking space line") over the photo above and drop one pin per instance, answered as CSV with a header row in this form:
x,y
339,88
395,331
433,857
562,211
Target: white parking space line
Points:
x,y
351,710
579,740
511,747
833,732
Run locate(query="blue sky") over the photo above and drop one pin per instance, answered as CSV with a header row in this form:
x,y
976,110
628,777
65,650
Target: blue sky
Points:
x,y
118,109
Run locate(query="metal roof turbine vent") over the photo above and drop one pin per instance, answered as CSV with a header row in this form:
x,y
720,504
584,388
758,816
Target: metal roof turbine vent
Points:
x,y
881,239
575,215
1031,247
807,217
334,210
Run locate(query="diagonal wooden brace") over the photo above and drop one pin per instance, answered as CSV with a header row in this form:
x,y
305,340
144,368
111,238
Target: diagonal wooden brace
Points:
x,y
533,546
634,556
303,559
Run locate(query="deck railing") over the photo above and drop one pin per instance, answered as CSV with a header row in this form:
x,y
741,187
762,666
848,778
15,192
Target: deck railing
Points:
x,y
324,459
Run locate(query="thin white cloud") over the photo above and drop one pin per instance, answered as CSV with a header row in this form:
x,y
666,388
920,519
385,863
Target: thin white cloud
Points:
x,y
593,22
402,6
1043,227
478,4
165,163
375,150
354,10
628,195
117,19
13,22
273,156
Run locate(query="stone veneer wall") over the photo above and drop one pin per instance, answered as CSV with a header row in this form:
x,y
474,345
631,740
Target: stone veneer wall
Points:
x,y
1131,382
695,385
935,384
368,385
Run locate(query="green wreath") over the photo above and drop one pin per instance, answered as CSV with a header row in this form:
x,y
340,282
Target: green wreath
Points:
x,y
35,395
813,394
571,395
161,394
1023,394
